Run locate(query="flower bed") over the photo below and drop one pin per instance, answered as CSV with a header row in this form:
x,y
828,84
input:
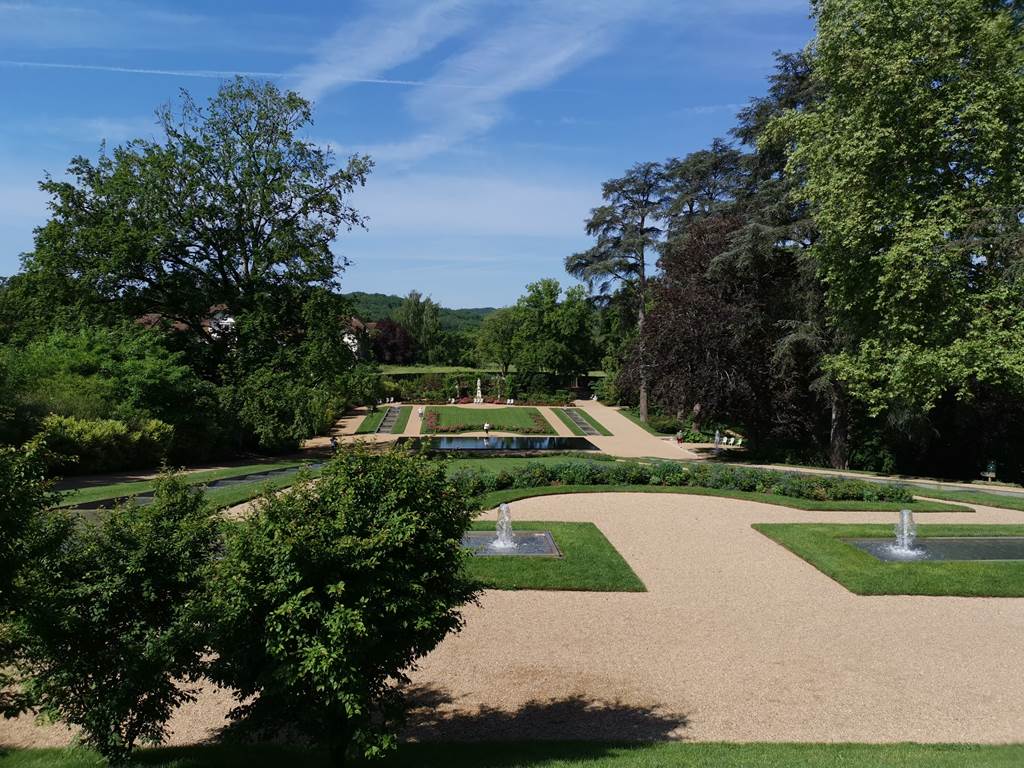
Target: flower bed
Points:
x,y
453,419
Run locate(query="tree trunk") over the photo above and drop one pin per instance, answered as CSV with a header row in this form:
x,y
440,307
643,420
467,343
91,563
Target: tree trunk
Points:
x,y
839,438
641,316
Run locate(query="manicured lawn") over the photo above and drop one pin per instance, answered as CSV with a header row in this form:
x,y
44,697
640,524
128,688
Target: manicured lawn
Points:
x,y
453,419
975,497
494,498
643,424
403,420
228,497
564,418
392,370
372,420
562,413
601,429
821,545
556,754
117,490
589,563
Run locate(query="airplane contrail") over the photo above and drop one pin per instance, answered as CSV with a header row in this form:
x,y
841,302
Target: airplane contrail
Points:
x,y
216,74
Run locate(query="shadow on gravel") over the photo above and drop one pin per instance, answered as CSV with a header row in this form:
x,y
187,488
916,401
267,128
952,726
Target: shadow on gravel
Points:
x,y
433,718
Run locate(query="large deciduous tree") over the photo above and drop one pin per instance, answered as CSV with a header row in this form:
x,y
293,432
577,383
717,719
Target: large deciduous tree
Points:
x,y
627,229
553,333
229,204
495,341
914,170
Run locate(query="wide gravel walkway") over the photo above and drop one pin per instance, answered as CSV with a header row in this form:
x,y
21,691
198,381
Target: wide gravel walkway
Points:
x,y
736,640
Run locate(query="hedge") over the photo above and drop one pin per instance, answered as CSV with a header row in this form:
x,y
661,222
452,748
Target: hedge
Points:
x,y
78,446
724,477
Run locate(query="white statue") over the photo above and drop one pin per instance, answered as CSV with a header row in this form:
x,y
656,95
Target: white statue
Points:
x,y
479,394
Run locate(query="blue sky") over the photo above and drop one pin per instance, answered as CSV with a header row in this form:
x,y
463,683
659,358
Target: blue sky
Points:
x,y
492,123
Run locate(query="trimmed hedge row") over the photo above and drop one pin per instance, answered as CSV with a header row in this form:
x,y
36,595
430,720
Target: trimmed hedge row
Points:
x,y
77,446
724,477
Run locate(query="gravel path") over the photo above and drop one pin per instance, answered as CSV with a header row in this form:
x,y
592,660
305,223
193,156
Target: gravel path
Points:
x,y
736,640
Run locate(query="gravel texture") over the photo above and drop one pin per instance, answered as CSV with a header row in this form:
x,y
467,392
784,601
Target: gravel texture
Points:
x,y
736,640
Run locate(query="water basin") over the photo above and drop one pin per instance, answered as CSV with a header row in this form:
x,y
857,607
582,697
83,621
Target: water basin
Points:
x,y
942,548
529,444
528,544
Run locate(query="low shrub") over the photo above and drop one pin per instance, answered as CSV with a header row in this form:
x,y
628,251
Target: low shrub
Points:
x,y
698,475
579,473
100,445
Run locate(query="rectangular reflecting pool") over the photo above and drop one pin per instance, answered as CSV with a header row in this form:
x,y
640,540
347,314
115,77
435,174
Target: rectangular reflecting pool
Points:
x,y
526,444
939,548
528,544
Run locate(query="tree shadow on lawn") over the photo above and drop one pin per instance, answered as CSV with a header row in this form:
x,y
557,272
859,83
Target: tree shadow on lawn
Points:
x,y
434,716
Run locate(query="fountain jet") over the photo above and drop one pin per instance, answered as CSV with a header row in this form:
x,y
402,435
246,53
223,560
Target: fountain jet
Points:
x,y
504,538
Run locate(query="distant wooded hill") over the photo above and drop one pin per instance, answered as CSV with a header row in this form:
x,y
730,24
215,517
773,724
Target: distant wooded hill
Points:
x,y
380,306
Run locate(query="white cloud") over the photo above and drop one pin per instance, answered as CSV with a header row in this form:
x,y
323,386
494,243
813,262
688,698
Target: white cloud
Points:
x,y
540,43
373,44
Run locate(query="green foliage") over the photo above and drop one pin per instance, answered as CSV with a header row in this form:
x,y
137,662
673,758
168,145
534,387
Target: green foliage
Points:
x,y
627,230
277,410
552,335
27,535
109,624
696,475
380,306
124,373
333,590
155,225
914,171
81,446
495,341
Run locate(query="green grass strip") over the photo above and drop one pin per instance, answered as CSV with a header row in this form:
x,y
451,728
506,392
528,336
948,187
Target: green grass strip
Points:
x,y
404,412
117,490
973,497
642,424
649,753
564,418
494,498
601,429
589,562
372,420
822,546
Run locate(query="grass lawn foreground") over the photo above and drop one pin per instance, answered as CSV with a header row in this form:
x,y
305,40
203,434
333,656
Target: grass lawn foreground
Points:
x,y
454,419
984,498
372,420
119,490
822,545
555,754
589,562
